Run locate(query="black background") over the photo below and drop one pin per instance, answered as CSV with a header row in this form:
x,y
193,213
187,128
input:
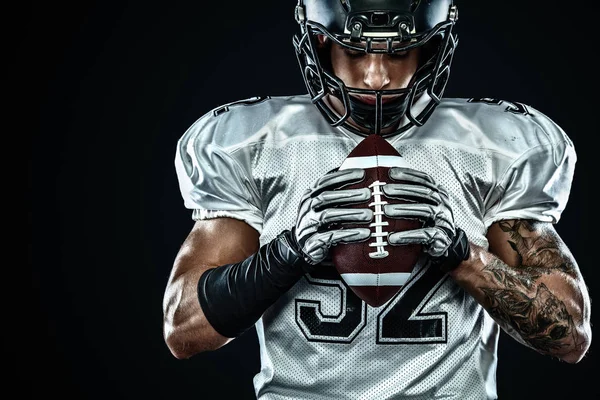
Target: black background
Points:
x,y
101,91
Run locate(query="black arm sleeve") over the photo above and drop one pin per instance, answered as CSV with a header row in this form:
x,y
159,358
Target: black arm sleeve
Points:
x,y
234,296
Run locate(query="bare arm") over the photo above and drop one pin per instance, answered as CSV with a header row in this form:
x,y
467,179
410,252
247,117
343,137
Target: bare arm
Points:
x,y
211,243
531,285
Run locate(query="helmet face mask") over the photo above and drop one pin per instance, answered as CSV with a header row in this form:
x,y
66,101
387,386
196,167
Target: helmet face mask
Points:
x,y
387,27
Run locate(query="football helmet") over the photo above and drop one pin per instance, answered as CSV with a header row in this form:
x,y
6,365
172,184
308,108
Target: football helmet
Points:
x,y
376,26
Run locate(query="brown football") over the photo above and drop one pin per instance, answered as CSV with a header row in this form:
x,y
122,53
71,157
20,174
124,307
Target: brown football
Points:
x,y
374,269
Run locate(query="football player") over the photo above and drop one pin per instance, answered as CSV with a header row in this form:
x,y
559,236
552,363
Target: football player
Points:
x,y
260,178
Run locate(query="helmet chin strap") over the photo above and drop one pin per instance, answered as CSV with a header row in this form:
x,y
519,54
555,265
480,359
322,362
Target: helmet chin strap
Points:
x,y
379,116
421,105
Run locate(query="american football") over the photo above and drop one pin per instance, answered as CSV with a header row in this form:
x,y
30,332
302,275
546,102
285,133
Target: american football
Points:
x,y
373,269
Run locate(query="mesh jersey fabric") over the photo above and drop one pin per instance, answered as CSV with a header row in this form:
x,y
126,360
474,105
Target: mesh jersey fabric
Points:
x,y
252,160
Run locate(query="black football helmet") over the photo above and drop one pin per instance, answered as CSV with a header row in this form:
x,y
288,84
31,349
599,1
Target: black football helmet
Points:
x,y
395,26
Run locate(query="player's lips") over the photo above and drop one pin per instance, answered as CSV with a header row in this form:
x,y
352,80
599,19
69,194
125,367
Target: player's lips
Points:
x,y
372,100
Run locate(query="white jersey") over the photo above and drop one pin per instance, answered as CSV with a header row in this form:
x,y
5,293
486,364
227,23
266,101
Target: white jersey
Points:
x,y
252,160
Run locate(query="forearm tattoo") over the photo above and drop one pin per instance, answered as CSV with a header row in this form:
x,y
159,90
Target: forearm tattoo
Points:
x,y
539,254
523,303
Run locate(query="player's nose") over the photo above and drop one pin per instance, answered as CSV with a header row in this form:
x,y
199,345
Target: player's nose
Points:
x,y
377,72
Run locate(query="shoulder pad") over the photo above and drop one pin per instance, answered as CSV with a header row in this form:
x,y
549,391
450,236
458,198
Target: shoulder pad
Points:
x,y
243,102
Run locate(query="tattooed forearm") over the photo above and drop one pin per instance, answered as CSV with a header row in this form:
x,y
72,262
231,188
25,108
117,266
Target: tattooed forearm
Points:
x,y
509,277
517,296
540,318
529,282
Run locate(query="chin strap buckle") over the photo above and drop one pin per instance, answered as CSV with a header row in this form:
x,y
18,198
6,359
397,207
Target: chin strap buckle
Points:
x,y
453,13
356,32
299,14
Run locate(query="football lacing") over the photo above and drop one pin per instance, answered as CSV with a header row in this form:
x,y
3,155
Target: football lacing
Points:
x,y
379,233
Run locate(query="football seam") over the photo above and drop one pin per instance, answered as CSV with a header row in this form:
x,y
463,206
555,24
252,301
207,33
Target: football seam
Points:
x,y
377,294
384,244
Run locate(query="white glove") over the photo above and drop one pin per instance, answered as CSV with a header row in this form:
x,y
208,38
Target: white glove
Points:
x,y
320,207
430,203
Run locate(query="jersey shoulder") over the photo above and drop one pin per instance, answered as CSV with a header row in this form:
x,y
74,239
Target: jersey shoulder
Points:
x,y
504,123
250,120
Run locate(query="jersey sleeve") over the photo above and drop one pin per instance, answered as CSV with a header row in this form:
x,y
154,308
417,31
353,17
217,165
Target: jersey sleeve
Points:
x,y
537,184
212,182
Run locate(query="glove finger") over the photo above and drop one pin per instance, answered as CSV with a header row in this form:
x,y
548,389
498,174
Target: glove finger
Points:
x,y
413,176
305,217
432,214
333,215
411,211
412,192
417,178
349,196
337,179
350,235
317,246
416,236
435,240
330,238
443,220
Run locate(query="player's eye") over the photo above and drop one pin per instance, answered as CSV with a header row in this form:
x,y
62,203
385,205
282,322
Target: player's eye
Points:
x,y
354,53
399,54
359,54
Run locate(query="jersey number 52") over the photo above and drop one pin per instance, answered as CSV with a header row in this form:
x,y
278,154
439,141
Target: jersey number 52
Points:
x,y
401,321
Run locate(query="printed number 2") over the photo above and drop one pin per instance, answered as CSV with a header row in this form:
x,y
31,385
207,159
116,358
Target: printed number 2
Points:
x,y
401,321
512,106
244,102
